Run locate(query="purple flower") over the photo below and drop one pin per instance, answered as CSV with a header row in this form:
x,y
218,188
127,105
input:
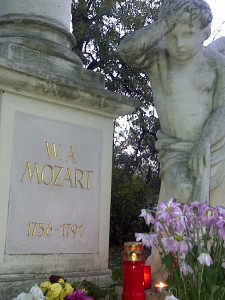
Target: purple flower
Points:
x,y
169,210
180,223
222,232
221,223
205,259
148,240
78,295
178,243
147,215
168,244
185,268
207,215
221,211
159,227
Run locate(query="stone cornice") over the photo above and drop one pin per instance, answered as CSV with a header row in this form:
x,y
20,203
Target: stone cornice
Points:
x,y
27,71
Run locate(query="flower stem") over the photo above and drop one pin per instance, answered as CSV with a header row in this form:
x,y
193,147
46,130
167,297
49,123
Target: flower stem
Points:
x,y
200,283
182,277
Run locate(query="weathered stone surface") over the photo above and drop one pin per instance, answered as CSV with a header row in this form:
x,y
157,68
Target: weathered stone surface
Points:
x,y
56,10
48,76
39,25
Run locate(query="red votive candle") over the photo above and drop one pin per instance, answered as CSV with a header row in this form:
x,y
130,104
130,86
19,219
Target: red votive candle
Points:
x,y
147,277
133,272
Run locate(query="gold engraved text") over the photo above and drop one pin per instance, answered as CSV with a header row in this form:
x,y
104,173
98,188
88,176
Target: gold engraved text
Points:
x,y
52,150
35,229
58,176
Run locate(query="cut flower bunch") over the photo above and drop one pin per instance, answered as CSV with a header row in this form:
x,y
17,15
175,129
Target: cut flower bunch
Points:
x,y
191,242
56,288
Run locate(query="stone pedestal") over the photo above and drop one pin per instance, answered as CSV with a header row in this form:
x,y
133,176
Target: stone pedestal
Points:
x,y
56,133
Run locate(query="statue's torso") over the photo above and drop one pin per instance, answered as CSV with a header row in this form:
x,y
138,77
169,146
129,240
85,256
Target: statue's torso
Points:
x,y
183,95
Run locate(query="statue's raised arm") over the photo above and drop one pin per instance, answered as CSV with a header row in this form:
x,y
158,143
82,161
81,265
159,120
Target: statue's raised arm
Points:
x,y
140,48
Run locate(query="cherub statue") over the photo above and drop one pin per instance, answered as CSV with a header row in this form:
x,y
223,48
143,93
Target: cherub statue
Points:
x,y
188,84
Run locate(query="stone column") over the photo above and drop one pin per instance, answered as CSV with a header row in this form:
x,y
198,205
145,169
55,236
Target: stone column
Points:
x,y
56,135
39,25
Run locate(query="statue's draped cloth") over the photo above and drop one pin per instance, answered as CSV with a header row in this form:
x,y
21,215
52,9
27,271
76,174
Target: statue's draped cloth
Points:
x,y
173,150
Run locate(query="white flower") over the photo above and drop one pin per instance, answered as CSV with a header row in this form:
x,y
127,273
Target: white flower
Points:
x,y
37,292
205,259
25,296
171,297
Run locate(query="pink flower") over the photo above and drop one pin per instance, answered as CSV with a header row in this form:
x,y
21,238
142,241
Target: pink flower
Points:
x,y
205,259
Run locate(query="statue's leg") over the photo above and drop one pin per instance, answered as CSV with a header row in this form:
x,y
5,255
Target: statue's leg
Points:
x,y
179,184
157,269
176,183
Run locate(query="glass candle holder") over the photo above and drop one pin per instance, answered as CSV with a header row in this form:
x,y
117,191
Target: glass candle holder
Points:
x,y
133,272
147,277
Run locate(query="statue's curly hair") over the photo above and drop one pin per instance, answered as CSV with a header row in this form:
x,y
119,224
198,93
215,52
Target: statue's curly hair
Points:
x,y
198,10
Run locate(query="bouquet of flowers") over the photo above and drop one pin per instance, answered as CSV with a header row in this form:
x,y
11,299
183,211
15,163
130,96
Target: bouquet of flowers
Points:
x,y
191,243
56,288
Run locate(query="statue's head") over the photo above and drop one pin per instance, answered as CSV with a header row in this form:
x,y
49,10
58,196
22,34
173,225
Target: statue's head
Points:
x,y
192,28
198,10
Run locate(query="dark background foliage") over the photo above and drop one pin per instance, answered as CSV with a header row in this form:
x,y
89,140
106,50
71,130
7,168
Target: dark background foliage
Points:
x,y
98,26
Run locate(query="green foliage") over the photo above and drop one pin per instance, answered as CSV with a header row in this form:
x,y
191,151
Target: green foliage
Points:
x,y
96,292
117,274
168,261
130,193
98,26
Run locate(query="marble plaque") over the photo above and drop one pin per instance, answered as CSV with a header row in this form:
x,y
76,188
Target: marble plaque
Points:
x,y
55,187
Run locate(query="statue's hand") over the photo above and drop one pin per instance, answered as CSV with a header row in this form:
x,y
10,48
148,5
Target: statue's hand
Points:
x,y
172,11
200,157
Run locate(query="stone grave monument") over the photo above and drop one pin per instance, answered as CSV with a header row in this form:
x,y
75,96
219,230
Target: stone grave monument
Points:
x,y
56,133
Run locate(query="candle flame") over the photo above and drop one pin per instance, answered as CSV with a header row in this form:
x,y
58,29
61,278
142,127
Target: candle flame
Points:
x,y
134,256
161,285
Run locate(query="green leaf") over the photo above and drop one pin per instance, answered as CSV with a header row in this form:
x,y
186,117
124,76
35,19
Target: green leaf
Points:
x,y
117,274
168,261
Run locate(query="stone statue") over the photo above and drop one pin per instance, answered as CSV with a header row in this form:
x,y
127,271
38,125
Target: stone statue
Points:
x,y
188,84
